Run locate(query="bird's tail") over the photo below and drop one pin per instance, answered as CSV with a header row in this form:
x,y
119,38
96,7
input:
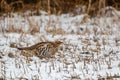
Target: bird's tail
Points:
x,y
20,48
24,48
13,45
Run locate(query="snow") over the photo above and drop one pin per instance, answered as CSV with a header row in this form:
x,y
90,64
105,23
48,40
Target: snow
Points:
x,y
90,50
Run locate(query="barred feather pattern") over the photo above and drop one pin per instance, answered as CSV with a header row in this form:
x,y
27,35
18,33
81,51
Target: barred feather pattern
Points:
x,y
43,49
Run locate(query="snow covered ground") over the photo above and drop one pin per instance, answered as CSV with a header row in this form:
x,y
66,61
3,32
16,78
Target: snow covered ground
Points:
x,y
90,49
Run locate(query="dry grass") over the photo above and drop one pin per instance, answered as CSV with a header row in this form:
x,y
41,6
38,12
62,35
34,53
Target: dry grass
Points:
x,y
93,7
33,26
110,77
56,31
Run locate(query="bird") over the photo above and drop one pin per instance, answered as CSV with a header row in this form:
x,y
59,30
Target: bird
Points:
x,y
41,50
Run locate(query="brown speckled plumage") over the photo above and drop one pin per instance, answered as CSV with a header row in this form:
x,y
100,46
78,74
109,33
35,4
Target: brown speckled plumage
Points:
x,y
41,50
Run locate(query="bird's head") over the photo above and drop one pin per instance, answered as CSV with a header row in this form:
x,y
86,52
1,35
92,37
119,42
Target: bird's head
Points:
x,y
57,43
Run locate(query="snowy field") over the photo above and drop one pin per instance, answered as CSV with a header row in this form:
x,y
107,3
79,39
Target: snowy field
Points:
x,y
90,49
